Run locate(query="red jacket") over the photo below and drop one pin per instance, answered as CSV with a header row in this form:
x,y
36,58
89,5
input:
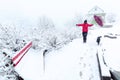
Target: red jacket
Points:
x,y
84,26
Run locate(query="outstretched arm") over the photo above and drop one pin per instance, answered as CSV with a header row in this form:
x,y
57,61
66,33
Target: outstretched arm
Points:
x,y
90,25
79,24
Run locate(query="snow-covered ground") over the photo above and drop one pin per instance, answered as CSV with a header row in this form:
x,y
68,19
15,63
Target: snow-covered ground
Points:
x,y
110,47
111,53
75,61
31,66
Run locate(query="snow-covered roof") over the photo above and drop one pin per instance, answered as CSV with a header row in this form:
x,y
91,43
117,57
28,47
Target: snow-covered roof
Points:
x,y
96,10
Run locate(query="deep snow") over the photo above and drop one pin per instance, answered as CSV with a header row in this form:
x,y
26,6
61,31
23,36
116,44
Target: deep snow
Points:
x,y
75,61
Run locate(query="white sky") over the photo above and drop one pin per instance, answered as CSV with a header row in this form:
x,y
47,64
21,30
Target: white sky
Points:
x,y
55,9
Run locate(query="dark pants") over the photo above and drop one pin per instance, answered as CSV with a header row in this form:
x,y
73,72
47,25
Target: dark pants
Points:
x,y
84,34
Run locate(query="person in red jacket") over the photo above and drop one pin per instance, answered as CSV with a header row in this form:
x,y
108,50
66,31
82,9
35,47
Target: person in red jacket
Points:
x,y
84,26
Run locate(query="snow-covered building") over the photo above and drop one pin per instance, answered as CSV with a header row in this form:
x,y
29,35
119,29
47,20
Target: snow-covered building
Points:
x,y
100,13
96,11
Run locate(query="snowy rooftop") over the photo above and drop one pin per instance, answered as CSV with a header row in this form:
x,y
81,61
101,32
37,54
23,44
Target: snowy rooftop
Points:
x,y
96,10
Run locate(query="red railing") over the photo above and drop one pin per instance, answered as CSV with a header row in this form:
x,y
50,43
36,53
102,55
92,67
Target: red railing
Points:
x,y
18,57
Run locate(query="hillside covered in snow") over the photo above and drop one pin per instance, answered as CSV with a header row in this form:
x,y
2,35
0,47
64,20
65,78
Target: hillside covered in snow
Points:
x,y
76,60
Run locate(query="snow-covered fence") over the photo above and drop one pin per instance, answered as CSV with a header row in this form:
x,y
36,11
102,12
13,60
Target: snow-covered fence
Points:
x,y
16,59
104,70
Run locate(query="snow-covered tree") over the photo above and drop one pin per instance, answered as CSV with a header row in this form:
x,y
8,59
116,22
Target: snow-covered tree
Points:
x,y
42,33
72,31
78,18
110,18
10,38
46,36
7,71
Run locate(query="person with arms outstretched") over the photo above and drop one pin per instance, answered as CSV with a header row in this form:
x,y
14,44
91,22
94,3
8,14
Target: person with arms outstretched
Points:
x,y
84,26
